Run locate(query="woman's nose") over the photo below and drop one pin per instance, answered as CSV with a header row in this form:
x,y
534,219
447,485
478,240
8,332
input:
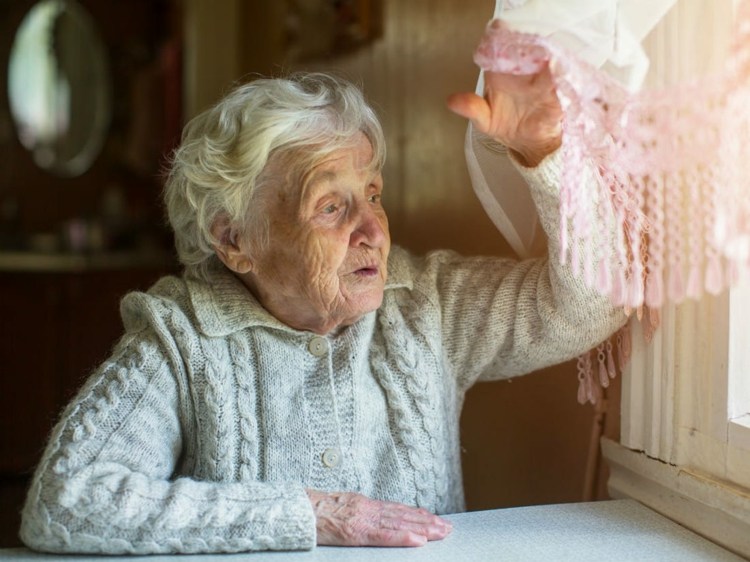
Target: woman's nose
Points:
x,y
370,227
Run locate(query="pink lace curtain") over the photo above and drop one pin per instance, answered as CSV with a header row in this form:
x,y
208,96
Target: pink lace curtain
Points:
x,y
655,197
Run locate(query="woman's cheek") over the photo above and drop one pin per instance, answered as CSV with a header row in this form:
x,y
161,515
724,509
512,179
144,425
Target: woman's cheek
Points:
x,y
315,258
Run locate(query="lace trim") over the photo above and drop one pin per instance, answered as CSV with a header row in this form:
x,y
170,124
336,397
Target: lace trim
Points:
x,y
667,165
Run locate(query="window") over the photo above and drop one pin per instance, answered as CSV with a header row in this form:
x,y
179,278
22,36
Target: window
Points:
x,y
739,366
685,440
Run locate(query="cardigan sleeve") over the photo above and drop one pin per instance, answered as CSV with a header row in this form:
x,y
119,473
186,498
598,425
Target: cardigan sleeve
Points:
x,y
502,317
106,481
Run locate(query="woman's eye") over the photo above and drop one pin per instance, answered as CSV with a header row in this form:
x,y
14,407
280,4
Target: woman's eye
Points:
x,y
330,209
374,198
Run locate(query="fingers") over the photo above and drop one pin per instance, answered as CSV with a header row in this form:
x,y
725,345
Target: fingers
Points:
x,y
521,85
419,521
472,107
355,520
394,538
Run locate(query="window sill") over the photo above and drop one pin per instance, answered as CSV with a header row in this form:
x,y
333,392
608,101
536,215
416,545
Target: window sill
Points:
x,y
739,432
717,510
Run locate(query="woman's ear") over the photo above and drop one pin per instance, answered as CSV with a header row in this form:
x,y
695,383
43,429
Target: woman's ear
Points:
x,y
228,247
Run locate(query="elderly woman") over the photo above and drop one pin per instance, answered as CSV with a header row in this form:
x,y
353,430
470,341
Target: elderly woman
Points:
x,y
301,383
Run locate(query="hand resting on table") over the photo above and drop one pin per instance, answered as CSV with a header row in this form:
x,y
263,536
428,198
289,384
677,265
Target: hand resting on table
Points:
x,y
349,519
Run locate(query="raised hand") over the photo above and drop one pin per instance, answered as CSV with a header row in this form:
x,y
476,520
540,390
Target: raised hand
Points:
x,y
349,519
520,111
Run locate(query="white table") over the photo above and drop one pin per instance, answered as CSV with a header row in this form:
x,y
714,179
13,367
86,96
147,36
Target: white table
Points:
x,y
618,530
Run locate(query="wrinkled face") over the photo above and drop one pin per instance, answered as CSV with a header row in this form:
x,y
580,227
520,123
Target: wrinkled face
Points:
x,y
326,263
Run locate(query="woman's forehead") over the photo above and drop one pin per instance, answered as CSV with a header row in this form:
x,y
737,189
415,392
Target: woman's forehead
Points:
x,y
358,157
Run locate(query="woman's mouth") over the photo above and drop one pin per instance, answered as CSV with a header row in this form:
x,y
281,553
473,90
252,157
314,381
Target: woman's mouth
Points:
x,y
366,272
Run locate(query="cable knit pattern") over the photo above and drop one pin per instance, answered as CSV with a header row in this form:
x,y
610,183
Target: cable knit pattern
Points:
x,y
203,429
246,408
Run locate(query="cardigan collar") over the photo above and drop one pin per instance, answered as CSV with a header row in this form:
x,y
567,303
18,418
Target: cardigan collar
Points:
x,y
224,305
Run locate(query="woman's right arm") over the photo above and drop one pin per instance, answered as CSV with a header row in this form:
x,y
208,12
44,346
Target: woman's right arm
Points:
x,y
105,483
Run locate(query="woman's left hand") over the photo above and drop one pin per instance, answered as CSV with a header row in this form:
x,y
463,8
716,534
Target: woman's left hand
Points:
x,y
349,519
520,111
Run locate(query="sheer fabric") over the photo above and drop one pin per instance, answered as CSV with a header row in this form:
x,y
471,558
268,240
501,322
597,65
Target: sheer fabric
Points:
x,y
606,34
667,165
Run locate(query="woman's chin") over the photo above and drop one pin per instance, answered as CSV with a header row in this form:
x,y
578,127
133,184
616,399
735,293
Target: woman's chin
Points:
x,y
360,303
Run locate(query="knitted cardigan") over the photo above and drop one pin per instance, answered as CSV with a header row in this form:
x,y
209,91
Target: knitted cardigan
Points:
x,y
202,430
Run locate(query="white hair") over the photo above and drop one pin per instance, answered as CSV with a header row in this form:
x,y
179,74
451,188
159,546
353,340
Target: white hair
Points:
x,y
221,167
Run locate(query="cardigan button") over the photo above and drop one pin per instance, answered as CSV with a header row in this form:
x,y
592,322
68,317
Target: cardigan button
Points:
x,y
331,457
318,346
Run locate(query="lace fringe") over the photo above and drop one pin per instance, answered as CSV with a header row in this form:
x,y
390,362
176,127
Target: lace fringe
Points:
x,y
598,367
654,203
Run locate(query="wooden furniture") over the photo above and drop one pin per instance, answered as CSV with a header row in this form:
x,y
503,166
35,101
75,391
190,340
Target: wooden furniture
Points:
x,y
59,317
59,288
